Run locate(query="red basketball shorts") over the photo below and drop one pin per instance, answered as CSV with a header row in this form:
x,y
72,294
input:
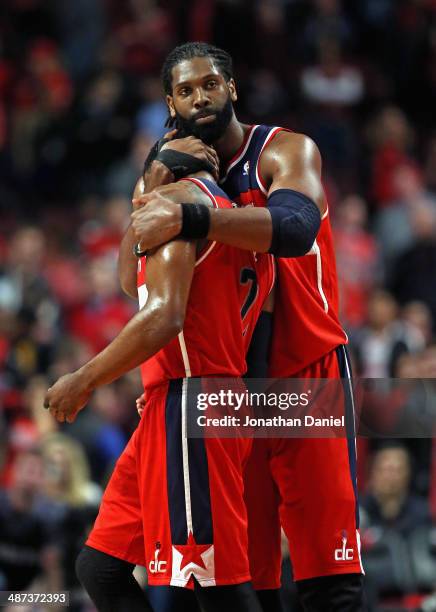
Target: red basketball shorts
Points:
x,y
175,504
308,486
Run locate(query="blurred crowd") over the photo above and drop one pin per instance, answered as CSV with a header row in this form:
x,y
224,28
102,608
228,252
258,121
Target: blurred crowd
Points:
x,y
80,105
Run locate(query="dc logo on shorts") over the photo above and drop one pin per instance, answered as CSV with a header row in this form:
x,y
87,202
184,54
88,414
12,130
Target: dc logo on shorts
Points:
x,y
156,566
344,553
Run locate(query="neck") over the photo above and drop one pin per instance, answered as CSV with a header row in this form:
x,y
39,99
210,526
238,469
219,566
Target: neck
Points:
x,y
231,140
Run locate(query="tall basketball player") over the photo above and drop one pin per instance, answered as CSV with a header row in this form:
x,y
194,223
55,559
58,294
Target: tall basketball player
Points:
x,y
275,176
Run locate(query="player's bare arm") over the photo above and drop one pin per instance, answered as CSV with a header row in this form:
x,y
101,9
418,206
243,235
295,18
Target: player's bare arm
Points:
x,y
291,162
176,193
156,175
169,275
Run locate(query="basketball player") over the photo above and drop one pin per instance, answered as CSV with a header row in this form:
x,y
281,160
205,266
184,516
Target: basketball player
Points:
x,y
275,177
175,505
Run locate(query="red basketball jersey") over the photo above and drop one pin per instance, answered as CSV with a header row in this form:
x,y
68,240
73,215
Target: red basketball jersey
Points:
x,y
306,324
228,289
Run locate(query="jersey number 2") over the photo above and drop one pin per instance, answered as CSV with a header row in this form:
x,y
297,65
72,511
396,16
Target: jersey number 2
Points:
x,y
248,277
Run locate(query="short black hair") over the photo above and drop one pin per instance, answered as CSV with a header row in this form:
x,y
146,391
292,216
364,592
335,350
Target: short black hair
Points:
x,y
190,50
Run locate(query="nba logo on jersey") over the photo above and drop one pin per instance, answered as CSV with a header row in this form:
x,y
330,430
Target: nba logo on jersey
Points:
x,y
246,167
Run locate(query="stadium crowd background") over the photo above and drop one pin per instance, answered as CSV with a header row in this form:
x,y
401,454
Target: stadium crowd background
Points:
x,y
80,105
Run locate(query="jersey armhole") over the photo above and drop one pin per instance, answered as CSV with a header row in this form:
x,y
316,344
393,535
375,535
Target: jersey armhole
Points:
x,y
203,188
209,246
273,133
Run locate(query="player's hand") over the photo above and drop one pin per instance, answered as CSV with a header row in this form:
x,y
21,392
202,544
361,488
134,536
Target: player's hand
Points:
x,y
67,397
195,147
157,221
140,404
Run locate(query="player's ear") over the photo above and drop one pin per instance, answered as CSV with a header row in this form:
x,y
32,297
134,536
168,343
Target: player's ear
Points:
x,y
232,89
170,104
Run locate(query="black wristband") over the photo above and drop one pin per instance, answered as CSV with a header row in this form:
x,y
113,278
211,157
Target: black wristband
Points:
x,y
195,221
182,164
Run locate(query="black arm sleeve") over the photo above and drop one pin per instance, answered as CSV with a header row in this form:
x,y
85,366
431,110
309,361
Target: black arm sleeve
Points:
x,y
296,221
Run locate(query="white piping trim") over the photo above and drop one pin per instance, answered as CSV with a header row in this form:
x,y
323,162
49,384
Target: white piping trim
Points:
x,y
241,155
273,264
185,456
185,356
350,386
351,395
142,295
204,188
315,249
207,191
205,254
254,301
271,134
359,546
325,215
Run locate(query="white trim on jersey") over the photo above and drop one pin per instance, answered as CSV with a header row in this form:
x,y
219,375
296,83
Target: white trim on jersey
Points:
x,y
142,295
274,273
241,155
271,134
205,254
142,289
350,387
317,252
185,457
203,188
268,139
255,297
185,355
359,546
207,191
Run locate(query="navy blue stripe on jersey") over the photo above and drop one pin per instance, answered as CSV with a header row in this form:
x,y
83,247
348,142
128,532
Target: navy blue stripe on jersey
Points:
x,y
199,478
233,191
242,175
198,472
345,373
174,455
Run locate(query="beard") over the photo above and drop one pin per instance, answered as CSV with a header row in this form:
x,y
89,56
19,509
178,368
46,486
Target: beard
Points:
x,y
208,132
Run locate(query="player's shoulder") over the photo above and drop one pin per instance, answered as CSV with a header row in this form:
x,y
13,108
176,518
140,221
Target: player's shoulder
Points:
x,y
295,141
293,148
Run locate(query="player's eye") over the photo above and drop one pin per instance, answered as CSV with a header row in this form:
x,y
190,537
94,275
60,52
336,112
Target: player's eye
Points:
x,y
211,84
185,91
